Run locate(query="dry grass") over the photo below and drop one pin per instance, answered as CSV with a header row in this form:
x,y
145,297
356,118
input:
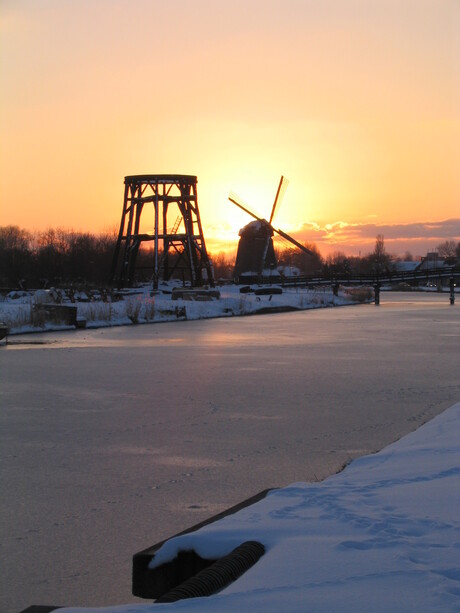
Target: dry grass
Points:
x,y
96,311
318,299
133,308
243,304
359,294
18,317
140,308
149,309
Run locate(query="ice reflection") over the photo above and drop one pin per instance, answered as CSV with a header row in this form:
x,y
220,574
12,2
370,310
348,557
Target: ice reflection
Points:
x,y
251,331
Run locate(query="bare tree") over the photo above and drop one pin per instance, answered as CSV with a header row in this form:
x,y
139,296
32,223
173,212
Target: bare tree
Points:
x,y
223,265
380,257
447,249
15,256
310,264
379,249
337,263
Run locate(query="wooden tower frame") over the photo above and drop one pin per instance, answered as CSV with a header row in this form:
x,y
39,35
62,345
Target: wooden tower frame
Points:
x,y
178,248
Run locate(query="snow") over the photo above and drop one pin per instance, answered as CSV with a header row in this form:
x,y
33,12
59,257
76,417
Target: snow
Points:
x,y
383,534
144,306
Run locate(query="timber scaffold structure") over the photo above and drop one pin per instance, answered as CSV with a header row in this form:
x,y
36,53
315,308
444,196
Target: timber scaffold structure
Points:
x,y
163,210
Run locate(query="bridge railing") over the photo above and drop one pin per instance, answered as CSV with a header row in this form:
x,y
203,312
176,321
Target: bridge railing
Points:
x,y
373,279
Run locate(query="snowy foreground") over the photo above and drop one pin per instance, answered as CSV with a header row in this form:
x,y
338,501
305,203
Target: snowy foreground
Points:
x,y
382,535
140,306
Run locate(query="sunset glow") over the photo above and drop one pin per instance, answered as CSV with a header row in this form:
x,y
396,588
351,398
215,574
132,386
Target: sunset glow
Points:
x,y
357,102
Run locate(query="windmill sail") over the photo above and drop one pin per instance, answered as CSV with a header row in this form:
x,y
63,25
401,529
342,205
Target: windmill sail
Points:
x,y
256,254
236,200
293,241
279,195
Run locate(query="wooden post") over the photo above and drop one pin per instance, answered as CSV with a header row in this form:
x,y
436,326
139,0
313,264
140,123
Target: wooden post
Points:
x,y
377,294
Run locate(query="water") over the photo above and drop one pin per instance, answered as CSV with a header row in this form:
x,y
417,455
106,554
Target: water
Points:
x,y
114,439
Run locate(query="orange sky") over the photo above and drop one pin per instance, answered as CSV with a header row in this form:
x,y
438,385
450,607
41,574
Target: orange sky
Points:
x,y
357,102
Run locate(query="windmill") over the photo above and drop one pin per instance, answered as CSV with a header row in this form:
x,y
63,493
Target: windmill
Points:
x,y
255,258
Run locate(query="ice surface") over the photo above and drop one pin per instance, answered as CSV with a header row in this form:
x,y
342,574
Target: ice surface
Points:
x,y
383,535
113,439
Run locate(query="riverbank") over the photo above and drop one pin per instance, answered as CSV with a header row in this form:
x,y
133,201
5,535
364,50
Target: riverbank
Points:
x,y
141,305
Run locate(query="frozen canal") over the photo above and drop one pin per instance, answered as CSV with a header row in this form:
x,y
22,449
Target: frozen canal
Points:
x,y
113,439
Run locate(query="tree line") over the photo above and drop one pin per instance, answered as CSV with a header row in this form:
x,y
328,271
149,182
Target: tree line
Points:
x,y
53,257
293,261
59,257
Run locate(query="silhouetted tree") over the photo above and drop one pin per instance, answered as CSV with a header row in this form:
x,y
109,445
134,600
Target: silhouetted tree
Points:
x,y
337,263
50,254
15,256
379,258
308,265
223,265
13,237
447,249
54,257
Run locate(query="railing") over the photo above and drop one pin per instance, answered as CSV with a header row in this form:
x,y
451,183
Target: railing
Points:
x,y
378,277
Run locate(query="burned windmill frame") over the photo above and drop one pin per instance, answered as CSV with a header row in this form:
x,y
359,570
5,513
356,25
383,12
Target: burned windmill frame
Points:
x,y
179,248
256,258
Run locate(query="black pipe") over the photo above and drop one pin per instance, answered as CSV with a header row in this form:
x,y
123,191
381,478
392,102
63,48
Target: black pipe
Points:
x,y
218,575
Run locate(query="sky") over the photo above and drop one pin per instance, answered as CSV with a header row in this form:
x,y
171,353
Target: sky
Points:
x,y
356,102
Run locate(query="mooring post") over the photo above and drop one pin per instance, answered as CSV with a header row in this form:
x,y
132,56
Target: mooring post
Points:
x,y
4,332
452,291
377,294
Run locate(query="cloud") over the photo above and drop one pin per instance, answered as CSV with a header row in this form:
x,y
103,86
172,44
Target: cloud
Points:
x,y
401,237
354,238
449,228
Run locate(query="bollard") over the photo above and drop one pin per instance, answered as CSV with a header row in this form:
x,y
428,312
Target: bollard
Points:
x,y
4,332
377,294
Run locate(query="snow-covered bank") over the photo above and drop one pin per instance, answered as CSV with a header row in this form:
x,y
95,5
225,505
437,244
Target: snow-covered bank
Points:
x,y
140,306
382,535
